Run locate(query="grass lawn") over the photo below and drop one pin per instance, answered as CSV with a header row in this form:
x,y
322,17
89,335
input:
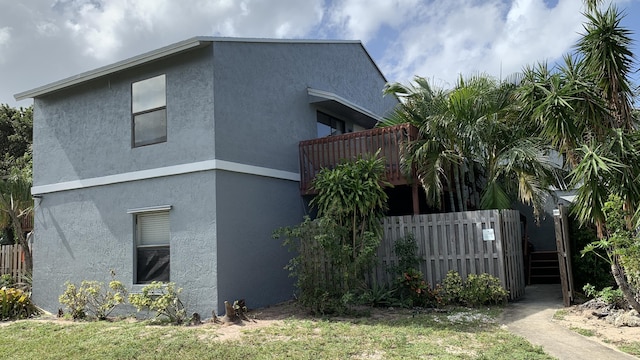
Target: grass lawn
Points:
x,y
462,334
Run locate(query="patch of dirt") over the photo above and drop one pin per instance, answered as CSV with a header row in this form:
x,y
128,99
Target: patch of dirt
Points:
x,y
609,326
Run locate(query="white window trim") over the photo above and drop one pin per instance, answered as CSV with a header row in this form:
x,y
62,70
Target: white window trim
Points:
x,y
149,209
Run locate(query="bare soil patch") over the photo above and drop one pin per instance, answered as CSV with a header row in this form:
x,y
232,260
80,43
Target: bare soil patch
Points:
x,y
590,321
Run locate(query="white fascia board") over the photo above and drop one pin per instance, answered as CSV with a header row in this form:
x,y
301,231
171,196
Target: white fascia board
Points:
x,y
166,171
158,54
325,95
113,68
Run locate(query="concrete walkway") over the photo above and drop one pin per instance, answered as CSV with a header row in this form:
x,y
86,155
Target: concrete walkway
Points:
x,y
531,318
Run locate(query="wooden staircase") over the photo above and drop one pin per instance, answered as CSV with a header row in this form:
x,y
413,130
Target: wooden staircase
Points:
x,y
543,268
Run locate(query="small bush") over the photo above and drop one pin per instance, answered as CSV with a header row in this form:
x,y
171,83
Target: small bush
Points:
x,y
75,300
609,295
379,296
92,299
6,280
16,304
163,298
414,289
483,289
450,291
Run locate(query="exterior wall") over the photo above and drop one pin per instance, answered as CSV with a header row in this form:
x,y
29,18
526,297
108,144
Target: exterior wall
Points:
x,y
251,263
83,234
221,221
262,107
87,129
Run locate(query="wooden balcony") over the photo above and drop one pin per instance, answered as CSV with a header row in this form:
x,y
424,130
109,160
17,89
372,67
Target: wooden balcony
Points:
x,y
329,151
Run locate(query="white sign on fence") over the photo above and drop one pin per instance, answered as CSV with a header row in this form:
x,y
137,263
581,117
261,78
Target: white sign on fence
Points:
x,y
488,235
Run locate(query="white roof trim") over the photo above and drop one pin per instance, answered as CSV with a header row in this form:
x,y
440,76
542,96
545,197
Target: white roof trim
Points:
x,y
158,54
325,95
109,69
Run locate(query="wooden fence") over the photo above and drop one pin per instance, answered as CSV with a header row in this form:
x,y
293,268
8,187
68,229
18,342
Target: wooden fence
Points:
x,y
470,242
12,262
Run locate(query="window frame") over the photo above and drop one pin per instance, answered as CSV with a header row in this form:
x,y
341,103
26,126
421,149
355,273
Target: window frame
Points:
x,y
145,111
164,209
332,122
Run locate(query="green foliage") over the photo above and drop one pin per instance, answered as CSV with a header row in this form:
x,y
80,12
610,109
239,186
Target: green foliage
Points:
x,y
483,289
379,296
339,247
620,244
451,288
414,289
75,300
6,280
406,251
16,304
163,299
92,299
16,137
608,294
588,267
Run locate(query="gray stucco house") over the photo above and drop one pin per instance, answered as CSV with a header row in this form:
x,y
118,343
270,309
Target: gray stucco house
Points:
x,y
178,164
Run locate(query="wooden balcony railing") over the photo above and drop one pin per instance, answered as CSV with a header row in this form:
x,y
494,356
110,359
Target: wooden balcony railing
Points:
x,y
329,151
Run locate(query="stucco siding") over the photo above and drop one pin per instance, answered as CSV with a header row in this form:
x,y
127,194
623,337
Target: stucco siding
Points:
x,y
251,263
262,107
87,128
83,234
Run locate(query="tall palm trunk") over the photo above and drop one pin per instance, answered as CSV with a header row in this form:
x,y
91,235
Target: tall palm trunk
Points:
x,y
621,280
456,179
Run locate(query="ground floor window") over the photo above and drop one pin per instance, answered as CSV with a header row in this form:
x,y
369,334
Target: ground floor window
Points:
x,y
152,238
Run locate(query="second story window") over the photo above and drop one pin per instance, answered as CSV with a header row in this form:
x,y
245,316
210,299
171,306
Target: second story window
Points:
x,y
149,111
328,125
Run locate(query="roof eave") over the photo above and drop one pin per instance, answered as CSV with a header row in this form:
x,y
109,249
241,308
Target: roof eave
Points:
x,y
116,67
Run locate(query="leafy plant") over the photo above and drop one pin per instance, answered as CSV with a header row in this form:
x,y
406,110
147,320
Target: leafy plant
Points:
x,y
163,299
92,299
608,294
451,289
588,267
483,289
75,299
6,280
16,304
414,288
339,247
379,296
406,251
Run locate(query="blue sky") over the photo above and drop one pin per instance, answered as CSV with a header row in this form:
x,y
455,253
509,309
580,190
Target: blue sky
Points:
x,y
42,41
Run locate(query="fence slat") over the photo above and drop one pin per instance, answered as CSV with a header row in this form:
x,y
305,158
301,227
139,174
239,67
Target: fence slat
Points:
x,y
12,262
454,241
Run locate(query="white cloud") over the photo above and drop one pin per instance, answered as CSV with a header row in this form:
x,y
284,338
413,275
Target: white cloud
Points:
x,y
44,41
106,27
5,37
466,37
362,19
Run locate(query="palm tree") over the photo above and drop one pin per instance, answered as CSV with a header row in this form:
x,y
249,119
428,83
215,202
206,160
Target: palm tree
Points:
x,y
470,132
16,204
585,111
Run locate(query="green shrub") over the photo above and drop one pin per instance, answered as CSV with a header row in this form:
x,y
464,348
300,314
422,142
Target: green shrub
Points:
x,y
75,300
483,289
16,304
414,289
379,296
6,280
163,299
450,291
588,267
92,299
608,294
406,251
